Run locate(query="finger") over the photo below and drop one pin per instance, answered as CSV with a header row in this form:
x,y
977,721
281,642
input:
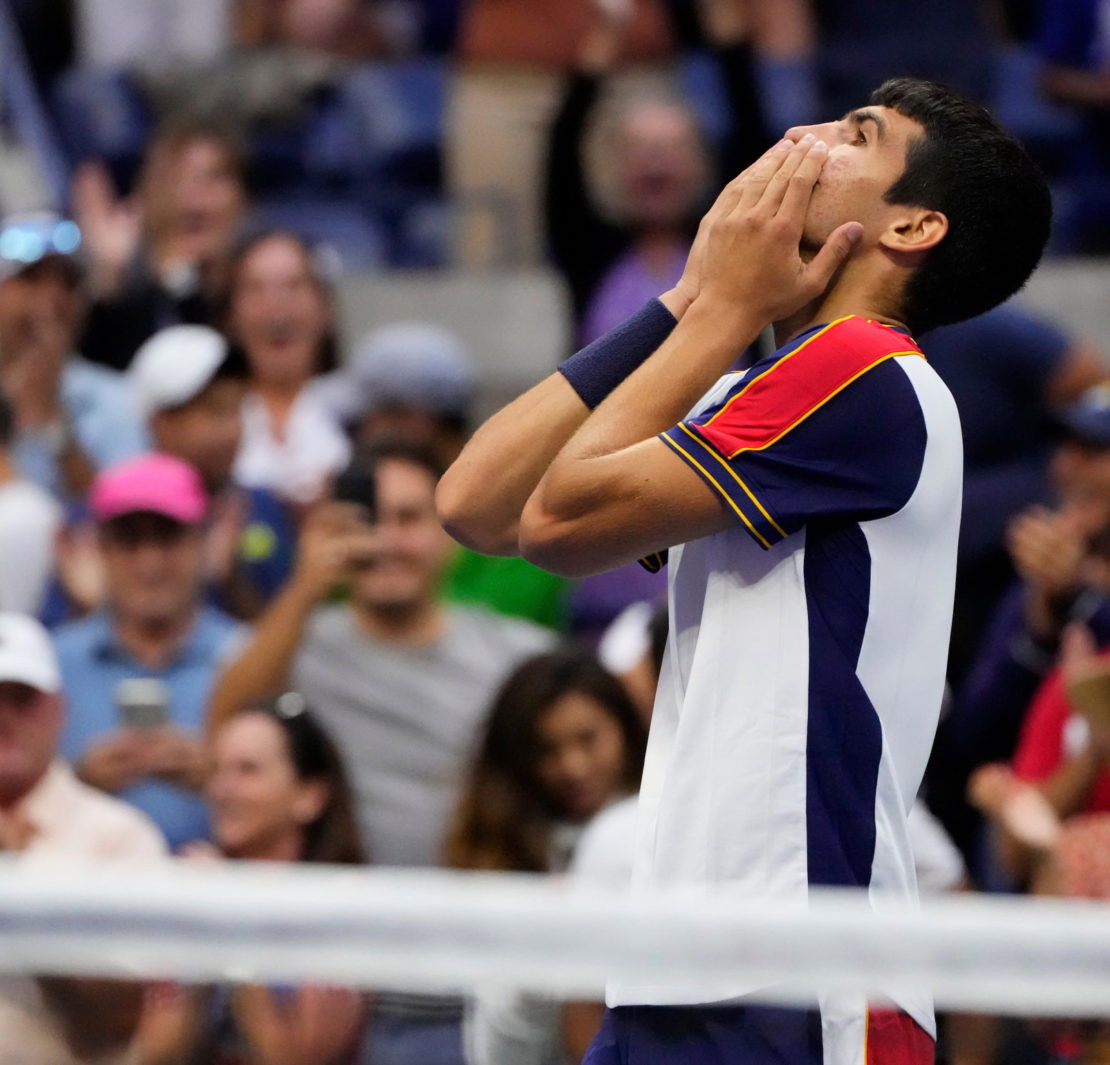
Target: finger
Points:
x,y
729,196
754,180
835,252
796,166
798,191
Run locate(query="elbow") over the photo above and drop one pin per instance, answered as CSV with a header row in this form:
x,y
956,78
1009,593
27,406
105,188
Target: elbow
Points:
x,y
469,519
551,543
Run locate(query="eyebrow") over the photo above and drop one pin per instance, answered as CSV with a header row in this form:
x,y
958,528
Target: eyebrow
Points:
x,y
857,118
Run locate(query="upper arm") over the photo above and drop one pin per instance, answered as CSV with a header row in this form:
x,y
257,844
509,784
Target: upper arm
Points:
x,y
835,433
634,502
781,456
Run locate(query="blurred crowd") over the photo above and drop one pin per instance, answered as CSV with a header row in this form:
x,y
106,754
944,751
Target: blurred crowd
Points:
x,y
231,626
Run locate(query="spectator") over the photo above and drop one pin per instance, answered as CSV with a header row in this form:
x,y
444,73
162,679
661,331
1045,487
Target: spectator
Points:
x,y
1011,373
189,385
411,379
661,174
415,380
562,742
161,256
46,812
281,313
278,793
1064,748
71,418
291,54
401,681
29,518
1051,550
512,58
150,515
342,29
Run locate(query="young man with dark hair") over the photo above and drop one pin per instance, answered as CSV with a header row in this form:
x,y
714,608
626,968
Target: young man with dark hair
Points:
x,y
810,506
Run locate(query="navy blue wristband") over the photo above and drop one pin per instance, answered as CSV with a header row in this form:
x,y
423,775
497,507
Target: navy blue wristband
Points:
x,y
600,367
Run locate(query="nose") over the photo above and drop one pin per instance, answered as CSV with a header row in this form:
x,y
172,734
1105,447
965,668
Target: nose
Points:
x,y
829,132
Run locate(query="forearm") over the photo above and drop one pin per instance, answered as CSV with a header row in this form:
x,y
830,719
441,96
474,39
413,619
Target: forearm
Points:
x,y
599,505
262,668
660,393
481,498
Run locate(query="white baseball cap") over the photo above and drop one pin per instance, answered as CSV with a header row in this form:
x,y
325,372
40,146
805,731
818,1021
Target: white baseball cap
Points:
x,y
176,365
27,655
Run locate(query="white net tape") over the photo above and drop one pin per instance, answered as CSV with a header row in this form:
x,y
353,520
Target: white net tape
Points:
x,y
436,931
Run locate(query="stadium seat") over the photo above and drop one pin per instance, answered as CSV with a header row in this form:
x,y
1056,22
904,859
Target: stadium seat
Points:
x,y
357,241
395,111
102,115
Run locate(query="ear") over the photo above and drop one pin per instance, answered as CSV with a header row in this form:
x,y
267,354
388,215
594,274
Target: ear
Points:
x,y
311,801
915,229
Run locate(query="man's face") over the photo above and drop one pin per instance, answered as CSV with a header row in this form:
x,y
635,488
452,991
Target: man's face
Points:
x,y
30,723
867,154
661,165
152,566
39,317
205,431
405,569
195,198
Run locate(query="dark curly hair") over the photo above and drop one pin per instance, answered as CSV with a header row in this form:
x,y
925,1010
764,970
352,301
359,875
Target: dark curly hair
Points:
x,y
994,196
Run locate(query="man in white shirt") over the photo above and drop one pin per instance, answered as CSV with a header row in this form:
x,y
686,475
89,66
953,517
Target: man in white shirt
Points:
x,y
810,506
46,813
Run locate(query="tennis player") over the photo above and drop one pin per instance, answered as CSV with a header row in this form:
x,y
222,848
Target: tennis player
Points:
x,y
810,506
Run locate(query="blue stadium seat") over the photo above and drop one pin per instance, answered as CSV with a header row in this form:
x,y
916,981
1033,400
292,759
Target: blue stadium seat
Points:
x,y
1052,133
700,83
101,114
357,240
394,120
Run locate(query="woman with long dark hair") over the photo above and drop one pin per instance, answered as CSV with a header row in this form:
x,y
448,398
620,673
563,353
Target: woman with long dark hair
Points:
x,y
562,742
279,793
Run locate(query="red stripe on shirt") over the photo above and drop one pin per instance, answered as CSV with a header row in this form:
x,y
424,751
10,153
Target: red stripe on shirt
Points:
x,y
894,1038
800,382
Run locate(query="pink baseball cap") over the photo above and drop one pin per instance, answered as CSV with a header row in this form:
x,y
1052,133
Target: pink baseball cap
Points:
x,y
153,483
